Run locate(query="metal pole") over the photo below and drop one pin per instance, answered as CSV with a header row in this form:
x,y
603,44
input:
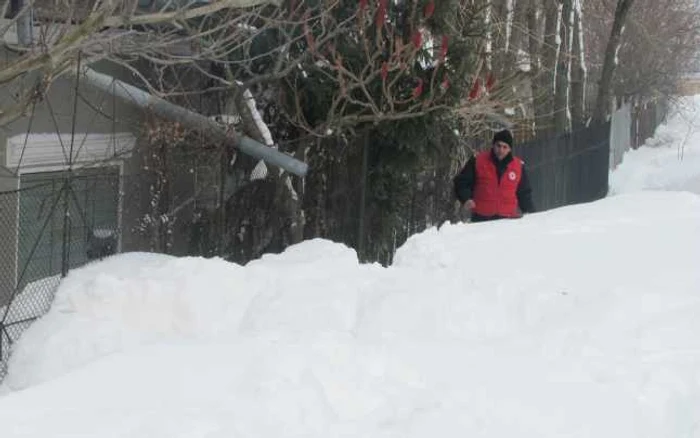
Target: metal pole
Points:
x,y
190,119
68,184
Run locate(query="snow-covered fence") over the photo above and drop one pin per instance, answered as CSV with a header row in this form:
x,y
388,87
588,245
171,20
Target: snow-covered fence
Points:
x,y
26,288
51,222
645,119
632,124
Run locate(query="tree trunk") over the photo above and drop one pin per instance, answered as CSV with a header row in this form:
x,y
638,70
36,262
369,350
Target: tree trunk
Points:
x,y
533,28
502,59
516,35
578,71
488,24
510,15
287,198
610,61
562,114
544,101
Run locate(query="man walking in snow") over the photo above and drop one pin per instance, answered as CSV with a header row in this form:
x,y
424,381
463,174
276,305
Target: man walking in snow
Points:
x,y
493,184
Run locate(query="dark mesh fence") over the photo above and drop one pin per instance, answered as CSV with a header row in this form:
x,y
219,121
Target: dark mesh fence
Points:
x,y
54,222
568,169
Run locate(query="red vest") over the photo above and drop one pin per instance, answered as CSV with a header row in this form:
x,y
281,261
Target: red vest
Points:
x,y
494,198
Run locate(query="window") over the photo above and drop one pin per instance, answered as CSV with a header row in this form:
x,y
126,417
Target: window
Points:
x,y
91,200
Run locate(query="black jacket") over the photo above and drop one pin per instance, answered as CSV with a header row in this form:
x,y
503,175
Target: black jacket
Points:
x,y
464,183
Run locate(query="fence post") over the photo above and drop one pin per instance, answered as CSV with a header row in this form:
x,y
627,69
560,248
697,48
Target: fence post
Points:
x,y
65,247
222,213
363,196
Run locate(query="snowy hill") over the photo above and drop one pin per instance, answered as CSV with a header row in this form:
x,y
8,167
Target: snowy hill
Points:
x,y
578,322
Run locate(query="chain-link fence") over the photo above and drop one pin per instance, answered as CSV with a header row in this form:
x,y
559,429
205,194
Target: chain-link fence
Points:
x,y
52,222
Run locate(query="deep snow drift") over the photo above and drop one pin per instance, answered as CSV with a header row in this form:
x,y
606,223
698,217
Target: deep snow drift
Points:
x,y
579,322
576,322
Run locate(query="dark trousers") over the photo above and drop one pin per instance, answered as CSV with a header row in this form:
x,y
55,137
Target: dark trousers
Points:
x,y
479,218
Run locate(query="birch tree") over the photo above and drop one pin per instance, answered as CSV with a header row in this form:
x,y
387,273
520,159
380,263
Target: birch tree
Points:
x,y
578,69
562,111
547,72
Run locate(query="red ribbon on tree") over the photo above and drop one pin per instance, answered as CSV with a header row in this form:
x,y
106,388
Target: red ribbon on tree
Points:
x,y
475,92
429,9
381,14
490,81
443,48
417,39
418,90
309,37
445,82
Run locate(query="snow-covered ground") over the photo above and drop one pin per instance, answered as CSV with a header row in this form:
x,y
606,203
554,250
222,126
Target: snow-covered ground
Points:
x,y
32,302
668,161
578,322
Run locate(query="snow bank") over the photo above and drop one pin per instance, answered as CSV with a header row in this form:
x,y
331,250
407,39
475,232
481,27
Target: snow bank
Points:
x,y
32,302
577,322
670,160
139,298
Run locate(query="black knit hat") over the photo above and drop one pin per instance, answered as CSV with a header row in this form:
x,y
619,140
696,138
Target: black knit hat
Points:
x,y
505,136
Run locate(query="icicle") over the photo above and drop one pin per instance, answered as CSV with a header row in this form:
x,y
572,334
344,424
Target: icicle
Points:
x,y
429,9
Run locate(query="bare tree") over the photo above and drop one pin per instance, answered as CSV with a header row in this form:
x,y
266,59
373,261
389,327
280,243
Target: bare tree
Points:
x,y
51,34
578,68
659,46
562,111
544,21
610,61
